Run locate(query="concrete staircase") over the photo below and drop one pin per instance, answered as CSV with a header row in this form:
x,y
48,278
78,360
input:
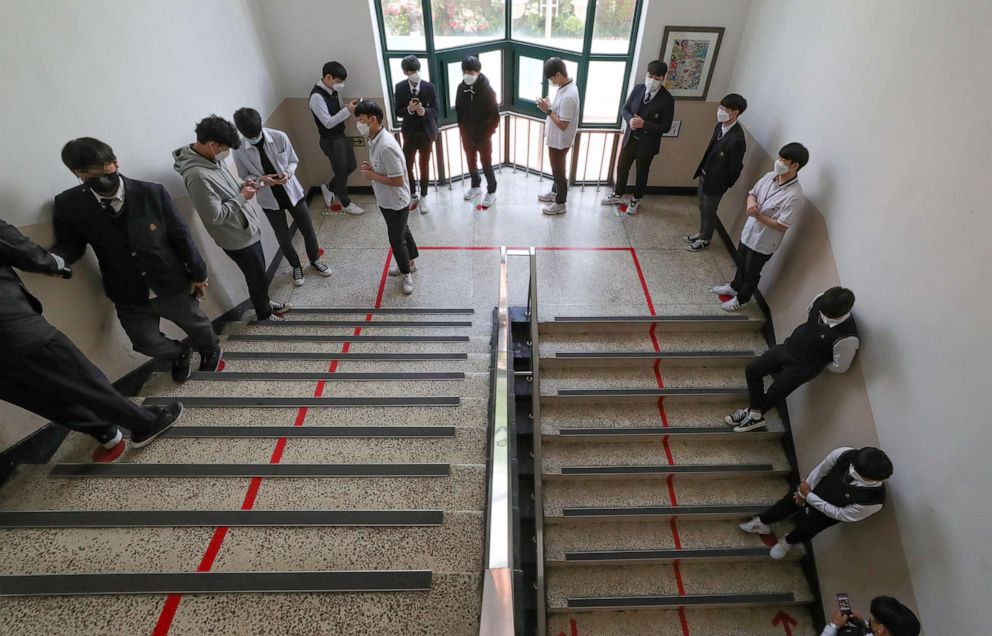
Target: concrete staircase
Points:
x,y
644,485
330,479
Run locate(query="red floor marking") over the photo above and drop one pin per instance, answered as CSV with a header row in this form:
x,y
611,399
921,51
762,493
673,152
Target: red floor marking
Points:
x,y
684,621
787,622
768,539
221,365
725,297
644,283
172,601
573,627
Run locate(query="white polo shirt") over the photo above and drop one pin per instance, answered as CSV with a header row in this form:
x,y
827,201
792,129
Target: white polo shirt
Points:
x,y
386,158
566,106
778,202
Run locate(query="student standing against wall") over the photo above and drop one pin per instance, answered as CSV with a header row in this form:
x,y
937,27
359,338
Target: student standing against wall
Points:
x,y
418,109
719,168
649,111
386,169
329,116
269,160
478,119
149,263
559,131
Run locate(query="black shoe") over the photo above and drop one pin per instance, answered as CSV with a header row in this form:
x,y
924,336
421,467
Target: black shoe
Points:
x,y
168,415
210,361
691,238
180,366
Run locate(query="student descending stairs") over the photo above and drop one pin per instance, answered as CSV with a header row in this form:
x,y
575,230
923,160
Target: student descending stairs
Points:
x,y
329,480
644,485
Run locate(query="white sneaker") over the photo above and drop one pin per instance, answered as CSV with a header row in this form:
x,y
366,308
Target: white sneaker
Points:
x,y
613,199
328,195
351,208
488,200
394,269
547,197
780,549
732,305
322,268
298,278
424,208
754,526
553,209
408,284
633,207
473,193
723,290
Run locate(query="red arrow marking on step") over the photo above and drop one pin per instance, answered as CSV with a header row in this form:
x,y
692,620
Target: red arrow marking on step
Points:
x,y
573,627
786,621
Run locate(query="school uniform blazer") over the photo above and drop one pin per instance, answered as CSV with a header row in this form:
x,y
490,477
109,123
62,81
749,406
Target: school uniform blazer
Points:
x,y
428,99
657,115
723,160
21,324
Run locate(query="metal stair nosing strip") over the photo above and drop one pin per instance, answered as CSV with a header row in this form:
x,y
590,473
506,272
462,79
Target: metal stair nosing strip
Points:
x,y
216,518
125,470
383,310
606,514
653,433
215,583
689,600
382,324
303,376
598,396
309,432
646,359
263,337
639,557
634,324
297,402
374,357
664,470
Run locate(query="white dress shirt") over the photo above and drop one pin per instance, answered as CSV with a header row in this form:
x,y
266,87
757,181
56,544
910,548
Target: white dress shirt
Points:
x,y
116,199
566,106
851,512
386,157
319,108
778,202
280,152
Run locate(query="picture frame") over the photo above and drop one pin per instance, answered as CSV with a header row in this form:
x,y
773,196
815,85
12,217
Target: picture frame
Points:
x,y
691,54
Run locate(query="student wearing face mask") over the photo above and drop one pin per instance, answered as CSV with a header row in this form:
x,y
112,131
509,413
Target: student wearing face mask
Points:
x,y
719,168
267,159
227,207
478,119
330,115
649,111
771,205
559,131
417,109
886,617
827,340
150,266
846,487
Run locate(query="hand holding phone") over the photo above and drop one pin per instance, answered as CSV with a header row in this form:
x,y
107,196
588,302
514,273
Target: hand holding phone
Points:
x,y
844,604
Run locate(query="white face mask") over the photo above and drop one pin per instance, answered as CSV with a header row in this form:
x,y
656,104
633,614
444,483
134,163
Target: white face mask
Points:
x,y
469,79
651,83
222,156
414,77
780,167
338,87
363,129
722,116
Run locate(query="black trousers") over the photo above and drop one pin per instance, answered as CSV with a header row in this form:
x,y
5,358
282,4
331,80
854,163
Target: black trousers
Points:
x,y
342,156
142,325
400,237
749,264
414,143
809,521
301,214
476,151
559,173
57,382
708,204
788,376
628,155
251,260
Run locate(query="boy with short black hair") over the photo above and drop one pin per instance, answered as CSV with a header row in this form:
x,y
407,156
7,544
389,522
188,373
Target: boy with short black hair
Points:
x,y
417,108
771,205
559,131
887,617
847,486
386,170
478,119
329,116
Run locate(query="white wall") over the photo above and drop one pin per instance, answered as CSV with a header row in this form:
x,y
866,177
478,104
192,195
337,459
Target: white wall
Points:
x,y
890,97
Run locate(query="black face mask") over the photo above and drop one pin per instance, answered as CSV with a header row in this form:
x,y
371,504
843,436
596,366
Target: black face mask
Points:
x,y
105,184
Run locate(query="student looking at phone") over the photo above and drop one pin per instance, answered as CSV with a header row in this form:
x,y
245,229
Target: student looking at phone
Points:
x,y
330,114
268,159
417,107
887,617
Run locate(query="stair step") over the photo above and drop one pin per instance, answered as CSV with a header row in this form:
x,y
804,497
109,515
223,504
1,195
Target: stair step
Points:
x,y
296,432
249,470
214,583
364,324
639,557
628,513
213,518
705,416
689,600
646,359
651,433
272,376
613,324
724,621
382,310
255,337
597,396
654,472
349,356
300,402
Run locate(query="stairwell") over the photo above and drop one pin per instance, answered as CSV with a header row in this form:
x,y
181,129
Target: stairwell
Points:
x,y
329,480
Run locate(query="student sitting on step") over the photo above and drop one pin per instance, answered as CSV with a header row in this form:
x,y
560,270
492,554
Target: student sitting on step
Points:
x,y
887,617
828,339
848,485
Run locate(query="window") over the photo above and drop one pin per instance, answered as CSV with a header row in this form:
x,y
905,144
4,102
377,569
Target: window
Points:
x,y
605,90
553,23
403,23
612,26
467,22
530,79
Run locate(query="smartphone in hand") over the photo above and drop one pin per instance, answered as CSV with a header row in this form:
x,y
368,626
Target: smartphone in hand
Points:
x,y
844,604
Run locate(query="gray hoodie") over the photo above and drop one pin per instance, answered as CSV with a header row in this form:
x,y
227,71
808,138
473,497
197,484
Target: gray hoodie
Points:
x,y
230,220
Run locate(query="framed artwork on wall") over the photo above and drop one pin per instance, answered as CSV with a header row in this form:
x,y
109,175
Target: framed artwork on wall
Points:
x,y
690,53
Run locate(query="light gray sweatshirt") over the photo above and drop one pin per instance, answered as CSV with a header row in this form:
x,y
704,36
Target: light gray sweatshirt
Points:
x,y
231,221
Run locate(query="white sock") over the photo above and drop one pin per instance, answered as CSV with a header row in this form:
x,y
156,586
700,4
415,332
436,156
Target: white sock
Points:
x,y
755,414
114,442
